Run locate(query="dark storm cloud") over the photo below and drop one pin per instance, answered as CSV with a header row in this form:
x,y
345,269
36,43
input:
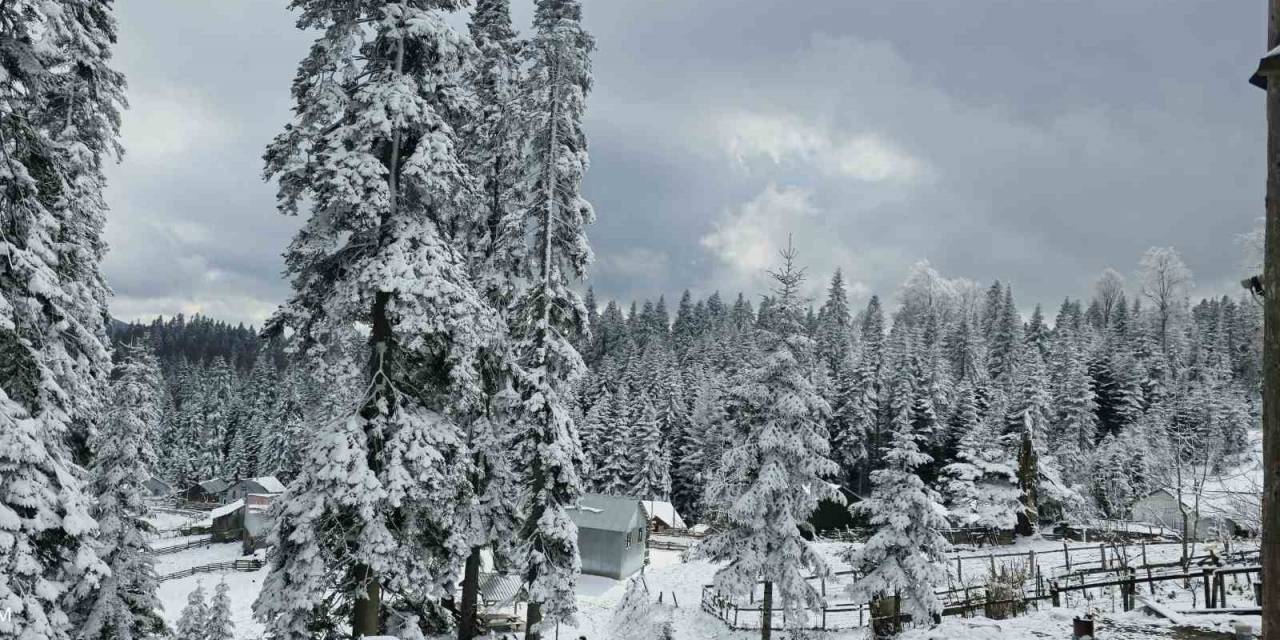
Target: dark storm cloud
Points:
x,y
1035,141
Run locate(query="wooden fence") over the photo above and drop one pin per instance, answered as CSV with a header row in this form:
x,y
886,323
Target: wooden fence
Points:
x,y
963,601
234,565
194,544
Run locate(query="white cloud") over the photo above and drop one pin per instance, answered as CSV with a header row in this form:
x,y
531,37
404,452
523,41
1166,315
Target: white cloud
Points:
x,y
170,123
781,139
748,239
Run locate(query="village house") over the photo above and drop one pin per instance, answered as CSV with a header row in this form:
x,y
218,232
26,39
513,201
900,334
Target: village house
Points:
x,y
1221,513
611,535
157,488
206,491
662,516
246,486
228,522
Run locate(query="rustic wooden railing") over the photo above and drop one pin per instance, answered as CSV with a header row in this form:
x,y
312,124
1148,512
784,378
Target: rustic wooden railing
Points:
x,y
193,544
234,565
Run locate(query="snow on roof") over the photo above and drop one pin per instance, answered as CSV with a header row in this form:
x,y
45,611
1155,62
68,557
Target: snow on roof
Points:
x,y
225,509
216,485
270,483
606,513
664,511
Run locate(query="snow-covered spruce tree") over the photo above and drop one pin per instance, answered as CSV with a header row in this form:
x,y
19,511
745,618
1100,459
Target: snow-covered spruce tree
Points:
x,y
219,626
59,122
981,486
492,149
125,606
194,620
1027,422
549,313
651,477
699,450
1075,426
906,557
868,401
777,469
640,617
834,334
373,155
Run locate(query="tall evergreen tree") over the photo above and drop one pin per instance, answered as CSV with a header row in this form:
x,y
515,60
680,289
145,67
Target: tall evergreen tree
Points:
x,y
651,475
60,103
906,555
373,153
550,314
776,472
125,606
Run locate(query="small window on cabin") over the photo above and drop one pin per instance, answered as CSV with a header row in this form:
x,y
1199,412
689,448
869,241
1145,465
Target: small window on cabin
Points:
x,y
628,540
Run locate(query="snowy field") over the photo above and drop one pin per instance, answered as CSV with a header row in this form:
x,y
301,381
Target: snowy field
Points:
x,y
681,582
244,585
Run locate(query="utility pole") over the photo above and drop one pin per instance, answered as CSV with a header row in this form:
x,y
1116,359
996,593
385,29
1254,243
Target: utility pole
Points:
x,y
1271,341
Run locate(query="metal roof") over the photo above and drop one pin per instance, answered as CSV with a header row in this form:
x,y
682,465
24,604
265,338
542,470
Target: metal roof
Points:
x,y
501,589
608,513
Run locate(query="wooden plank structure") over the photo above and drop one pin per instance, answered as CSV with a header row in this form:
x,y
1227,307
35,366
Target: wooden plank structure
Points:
x,y
233,565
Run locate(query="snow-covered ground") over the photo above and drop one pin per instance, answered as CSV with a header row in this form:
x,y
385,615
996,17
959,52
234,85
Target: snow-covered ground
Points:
x,y
244,585
681,582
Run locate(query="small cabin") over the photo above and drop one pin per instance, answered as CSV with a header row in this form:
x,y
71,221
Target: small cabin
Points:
x,y
157,488
228,522
1160,507
246,486
662,516
612,531
206,491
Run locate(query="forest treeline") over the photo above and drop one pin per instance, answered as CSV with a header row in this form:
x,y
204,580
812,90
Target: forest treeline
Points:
x,y
1103,383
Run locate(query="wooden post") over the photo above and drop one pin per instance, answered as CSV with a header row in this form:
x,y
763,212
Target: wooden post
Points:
x,y
1271,356
1144,553
1066,554
1102,553
1054,594
766,612
1208,588
959,570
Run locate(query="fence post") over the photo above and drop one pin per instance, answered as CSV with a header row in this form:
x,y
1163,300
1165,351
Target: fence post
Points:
x,y
959,570
1131,589
1102,553
1053,593
1208,588
1066,554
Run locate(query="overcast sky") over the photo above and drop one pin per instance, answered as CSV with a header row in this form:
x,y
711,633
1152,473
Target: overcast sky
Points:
x,y
1033,141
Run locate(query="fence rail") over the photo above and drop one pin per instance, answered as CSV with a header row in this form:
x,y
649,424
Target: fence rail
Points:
x,y
193,544
965,600
234,565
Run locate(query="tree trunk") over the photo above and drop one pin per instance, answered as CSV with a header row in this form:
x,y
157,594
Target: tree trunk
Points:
x,y
366,613
1271,355
470,591
766,616
532,621
1027,481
